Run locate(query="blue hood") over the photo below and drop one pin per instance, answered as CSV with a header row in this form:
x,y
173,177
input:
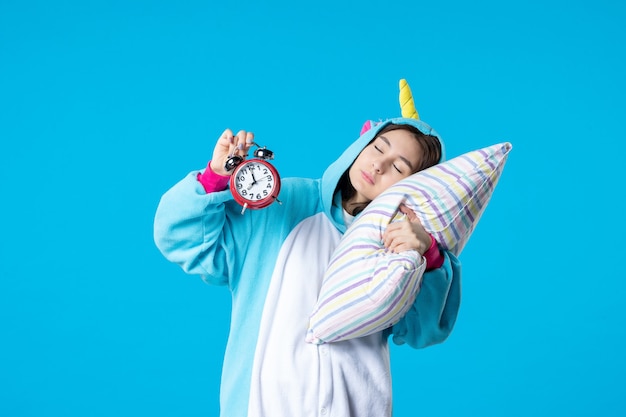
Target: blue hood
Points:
x,y
334,172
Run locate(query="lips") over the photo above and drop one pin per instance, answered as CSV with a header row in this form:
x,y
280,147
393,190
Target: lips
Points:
x,y
367,177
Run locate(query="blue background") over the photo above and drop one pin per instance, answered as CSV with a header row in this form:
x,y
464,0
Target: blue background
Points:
x,y
106,104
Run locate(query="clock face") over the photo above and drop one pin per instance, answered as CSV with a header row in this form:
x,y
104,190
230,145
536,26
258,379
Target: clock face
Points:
x,y
256,183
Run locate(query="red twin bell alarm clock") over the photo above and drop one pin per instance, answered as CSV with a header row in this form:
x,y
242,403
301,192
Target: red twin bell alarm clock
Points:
x,y
255,182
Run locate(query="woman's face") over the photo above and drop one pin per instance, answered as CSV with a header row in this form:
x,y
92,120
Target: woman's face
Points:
x,y
392,156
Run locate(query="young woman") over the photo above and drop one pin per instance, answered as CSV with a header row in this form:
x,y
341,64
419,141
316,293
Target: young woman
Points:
x,y
273,261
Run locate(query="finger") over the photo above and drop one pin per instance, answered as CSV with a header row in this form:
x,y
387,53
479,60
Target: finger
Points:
x,y
395,248
224,142
226,138
249,141
387,237
399,246
402,241
408,212
391,232
227,134
392,227
396,228
221,151
394,245
392,239
240,143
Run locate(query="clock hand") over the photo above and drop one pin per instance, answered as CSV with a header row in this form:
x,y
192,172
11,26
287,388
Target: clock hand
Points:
x,y
253,181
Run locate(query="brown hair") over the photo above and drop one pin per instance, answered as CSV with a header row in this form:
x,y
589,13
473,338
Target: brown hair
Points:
x,y
431,149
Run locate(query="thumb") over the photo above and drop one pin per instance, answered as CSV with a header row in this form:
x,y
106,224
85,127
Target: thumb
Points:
x,y
407,211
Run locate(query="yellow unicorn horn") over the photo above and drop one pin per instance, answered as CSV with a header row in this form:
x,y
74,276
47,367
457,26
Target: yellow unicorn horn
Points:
x,y
406,101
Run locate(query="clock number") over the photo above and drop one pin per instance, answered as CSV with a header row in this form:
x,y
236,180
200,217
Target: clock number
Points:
x,y
254,184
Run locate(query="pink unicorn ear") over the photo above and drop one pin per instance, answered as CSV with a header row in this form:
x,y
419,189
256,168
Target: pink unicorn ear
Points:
x,y
366,126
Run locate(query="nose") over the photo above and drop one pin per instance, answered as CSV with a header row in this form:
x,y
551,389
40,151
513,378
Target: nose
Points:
x,y
377,166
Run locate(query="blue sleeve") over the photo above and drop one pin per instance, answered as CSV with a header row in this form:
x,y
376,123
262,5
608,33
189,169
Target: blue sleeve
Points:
x,y
433,314
191,229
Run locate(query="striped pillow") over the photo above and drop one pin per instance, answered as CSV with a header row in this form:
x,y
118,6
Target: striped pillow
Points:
x,y
365,288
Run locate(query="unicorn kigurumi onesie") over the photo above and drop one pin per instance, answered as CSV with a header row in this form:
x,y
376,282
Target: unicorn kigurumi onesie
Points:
x,y
273,261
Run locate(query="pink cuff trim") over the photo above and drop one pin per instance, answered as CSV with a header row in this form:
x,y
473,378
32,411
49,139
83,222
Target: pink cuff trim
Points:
x,y
433,256
211,181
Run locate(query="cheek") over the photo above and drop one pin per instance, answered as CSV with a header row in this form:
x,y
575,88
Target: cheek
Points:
x,y
391,180
366,155
381,185
386,183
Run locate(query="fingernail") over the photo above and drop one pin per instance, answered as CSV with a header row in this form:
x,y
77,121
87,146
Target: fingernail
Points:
x,y
240,146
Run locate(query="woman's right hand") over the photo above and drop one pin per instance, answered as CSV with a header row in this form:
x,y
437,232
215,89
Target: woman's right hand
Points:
x,y
228,145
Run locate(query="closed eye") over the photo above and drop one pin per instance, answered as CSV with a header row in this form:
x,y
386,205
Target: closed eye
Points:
x,y
386,142
394,165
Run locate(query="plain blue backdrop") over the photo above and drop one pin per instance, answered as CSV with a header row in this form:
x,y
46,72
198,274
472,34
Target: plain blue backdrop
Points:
x,y
105,104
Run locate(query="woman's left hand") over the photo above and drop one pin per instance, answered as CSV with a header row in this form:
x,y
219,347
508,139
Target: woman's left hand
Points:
x,y
407,235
